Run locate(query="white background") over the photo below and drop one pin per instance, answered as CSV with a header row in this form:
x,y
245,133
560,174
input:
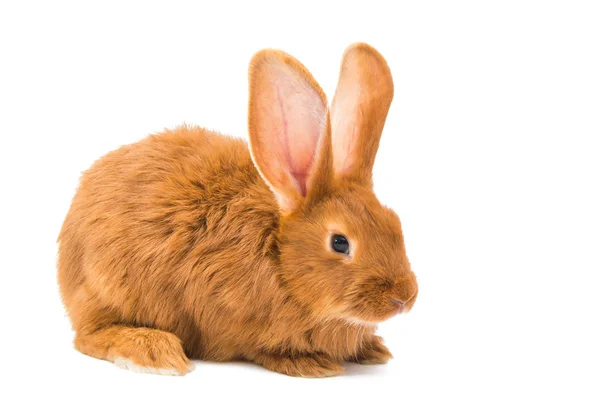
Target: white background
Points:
x,y
490,156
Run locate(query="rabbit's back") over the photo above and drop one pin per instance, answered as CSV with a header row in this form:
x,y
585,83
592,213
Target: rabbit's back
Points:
x,y
157,228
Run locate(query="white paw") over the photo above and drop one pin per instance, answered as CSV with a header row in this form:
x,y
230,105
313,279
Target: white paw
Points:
x,y
131,366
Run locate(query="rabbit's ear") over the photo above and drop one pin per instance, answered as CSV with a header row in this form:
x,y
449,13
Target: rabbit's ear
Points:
x,y
360,105
288,126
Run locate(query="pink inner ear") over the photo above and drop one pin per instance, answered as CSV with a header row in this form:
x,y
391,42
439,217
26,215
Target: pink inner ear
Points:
x,y
299,167
294,116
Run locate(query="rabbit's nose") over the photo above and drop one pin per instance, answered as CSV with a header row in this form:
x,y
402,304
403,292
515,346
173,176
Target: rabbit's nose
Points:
x,y
403,298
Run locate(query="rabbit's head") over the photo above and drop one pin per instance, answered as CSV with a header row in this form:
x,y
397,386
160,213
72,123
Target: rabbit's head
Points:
x,y
341,251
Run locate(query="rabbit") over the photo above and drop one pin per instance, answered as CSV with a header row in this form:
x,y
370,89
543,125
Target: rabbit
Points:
x,y
190,244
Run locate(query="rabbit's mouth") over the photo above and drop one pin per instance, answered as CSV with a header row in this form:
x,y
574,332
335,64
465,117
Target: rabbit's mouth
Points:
x,y
375,299
405,306
379,310
400,305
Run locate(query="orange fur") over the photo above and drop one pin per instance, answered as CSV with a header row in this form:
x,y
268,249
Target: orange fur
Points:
x,y
175,247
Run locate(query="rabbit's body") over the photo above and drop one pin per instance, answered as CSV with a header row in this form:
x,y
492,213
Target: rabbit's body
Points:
x,y
192,244
196,230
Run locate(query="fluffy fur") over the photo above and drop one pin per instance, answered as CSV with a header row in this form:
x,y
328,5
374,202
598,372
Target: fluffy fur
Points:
x,y
188,245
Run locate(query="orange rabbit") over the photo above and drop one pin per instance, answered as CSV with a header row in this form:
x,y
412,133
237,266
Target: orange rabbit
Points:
x,y
188,244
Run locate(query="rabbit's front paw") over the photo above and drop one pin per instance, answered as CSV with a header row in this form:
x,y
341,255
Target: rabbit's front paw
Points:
x,y
373,352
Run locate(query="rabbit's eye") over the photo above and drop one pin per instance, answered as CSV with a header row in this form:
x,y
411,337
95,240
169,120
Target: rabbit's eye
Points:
x,y
340,244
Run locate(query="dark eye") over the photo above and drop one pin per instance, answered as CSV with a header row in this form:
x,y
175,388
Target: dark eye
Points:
x,y
340,244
